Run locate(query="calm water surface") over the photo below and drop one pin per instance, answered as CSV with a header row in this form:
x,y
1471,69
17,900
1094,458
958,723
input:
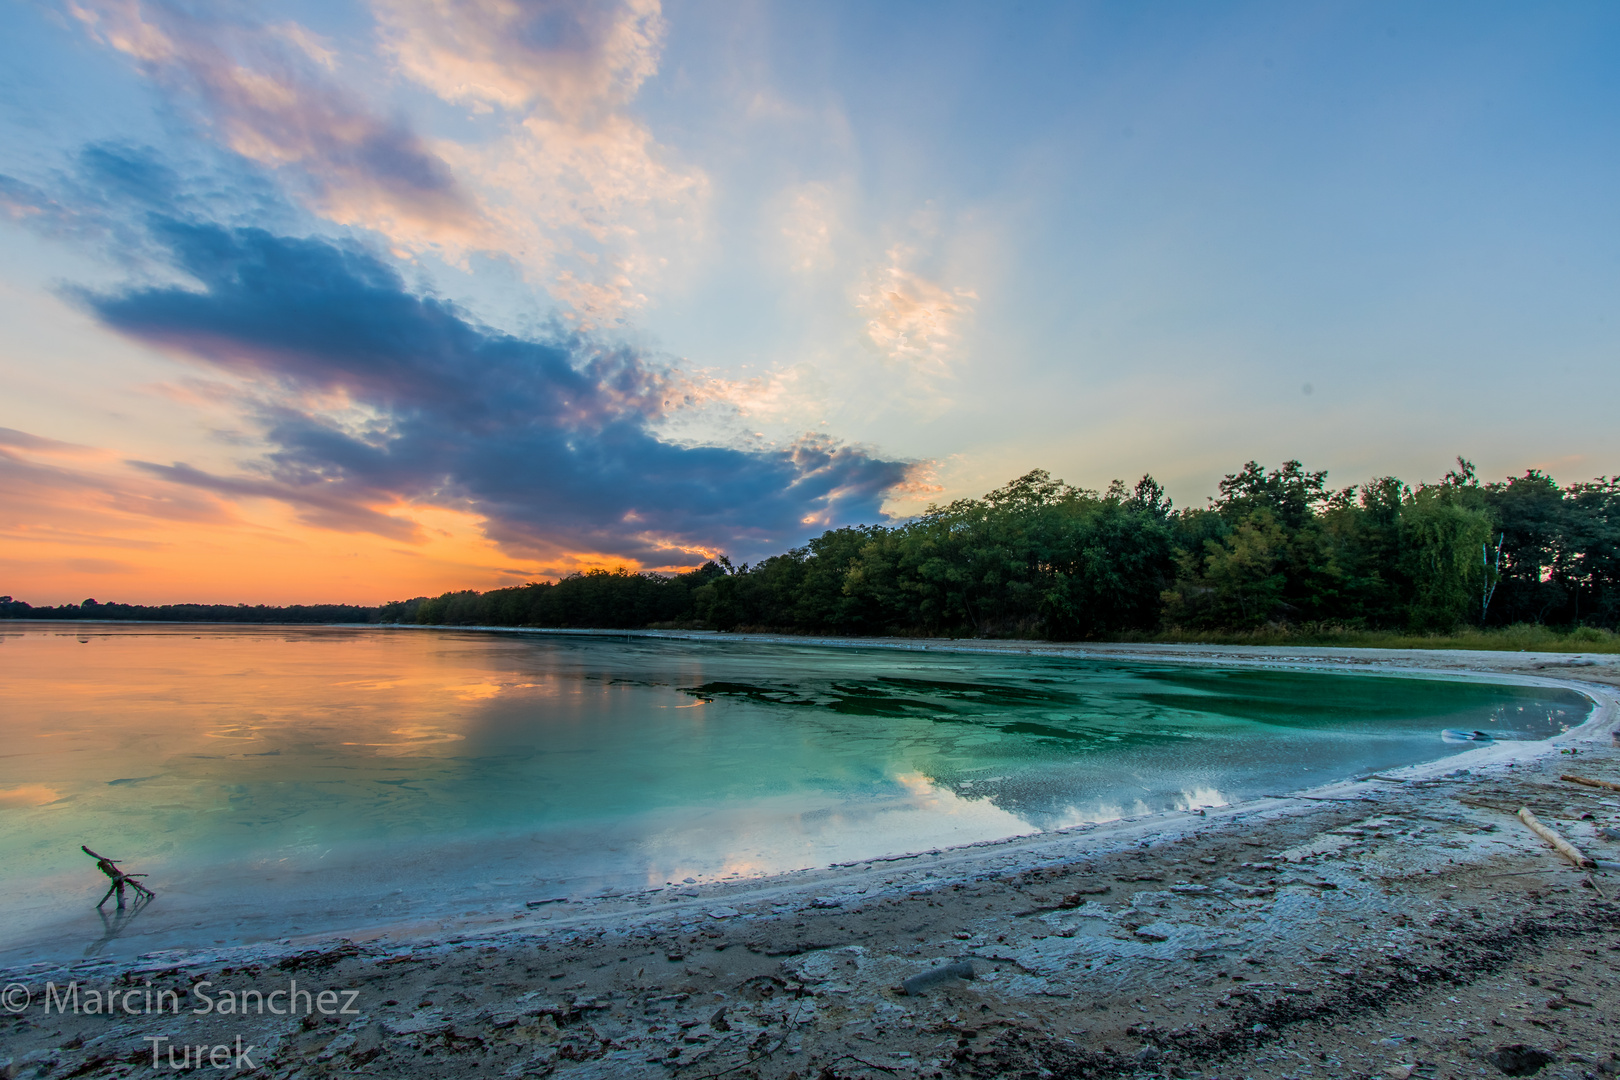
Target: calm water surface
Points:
x,y
275,781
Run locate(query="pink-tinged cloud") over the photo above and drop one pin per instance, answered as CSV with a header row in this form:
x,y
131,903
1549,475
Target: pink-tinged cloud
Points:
x,y
93,502
573,60
585,196
22,440
572,189
268,92
325,506
913,320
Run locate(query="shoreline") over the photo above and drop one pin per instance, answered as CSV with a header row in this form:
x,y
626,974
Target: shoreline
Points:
x,y
569,1033
1602,668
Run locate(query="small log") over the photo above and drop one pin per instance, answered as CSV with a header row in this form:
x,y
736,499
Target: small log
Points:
x,y
1607,785
1562,846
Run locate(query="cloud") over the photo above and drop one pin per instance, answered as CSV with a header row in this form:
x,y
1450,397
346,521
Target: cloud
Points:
x,y
100,566
374,400
809,223
911,319
575,59
580,189
317,506
570,187
269,93
91,504
22,440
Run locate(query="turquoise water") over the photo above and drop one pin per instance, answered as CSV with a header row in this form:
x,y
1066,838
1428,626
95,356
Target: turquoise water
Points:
x,y
275,780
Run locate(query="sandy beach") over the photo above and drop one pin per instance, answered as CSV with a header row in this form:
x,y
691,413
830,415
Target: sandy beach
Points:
x,y
1402,925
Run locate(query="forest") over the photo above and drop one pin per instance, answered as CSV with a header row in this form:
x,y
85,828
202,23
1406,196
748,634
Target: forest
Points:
x,y
221,613
1041,559
1275,548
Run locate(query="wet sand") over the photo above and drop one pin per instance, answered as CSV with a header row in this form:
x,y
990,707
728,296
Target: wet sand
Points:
x,y
1397,926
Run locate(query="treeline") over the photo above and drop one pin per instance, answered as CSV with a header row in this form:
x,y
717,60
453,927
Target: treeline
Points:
x,y
599,599
1039,558
222,613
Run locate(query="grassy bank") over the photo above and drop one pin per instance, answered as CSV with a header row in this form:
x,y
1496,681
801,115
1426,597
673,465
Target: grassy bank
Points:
x,y
1522,637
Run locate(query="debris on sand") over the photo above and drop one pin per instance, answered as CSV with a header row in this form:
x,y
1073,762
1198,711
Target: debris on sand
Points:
x,y
924,981
1518,1059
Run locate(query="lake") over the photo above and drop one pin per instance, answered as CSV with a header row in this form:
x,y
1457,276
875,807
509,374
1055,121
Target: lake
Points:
x,y
274,781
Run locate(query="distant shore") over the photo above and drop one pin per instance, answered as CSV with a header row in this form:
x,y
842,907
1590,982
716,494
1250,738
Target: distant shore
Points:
x,y
1517,638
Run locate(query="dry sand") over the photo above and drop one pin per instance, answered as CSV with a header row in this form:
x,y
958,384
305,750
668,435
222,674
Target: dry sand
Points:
x,y
1402,926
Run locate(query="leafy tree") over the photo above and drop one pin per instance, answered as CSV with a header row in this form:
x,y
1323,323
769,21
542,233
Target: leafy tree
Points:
x,y
1442,540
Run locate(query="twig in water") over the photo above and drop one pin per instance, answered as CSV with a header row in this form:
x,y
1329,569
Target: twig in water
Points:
x,y
120,880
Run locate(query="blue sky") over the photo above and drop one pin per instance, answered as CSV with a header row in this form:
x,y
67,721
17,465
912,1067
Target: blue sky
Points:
x,y
797,265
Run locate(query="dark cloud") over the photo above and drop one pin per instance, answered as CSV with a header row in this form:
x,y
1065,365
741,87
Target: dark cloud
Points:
x,y
108,192
552,441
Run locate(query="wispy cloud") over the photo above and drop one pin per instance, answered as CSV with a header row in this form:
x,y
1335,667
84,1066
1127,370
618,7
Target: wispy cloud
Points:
x,y
913,320
326,506
583,192
575,59
271,95
88,503
809,224
11,438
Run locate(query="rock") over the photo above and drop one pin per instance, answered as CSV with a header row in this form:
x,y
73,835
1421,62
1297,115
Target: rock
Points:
x,y
724,913
1517,1059
340,1045
426,1023
923,981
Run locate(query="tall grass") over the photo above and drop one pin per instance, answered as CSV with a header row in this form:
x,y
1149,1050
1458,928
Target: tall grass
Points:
x,y
1521,637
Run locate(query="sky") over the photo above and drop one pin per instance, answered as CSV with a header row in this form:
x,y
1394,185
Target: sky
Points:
x,y
356,301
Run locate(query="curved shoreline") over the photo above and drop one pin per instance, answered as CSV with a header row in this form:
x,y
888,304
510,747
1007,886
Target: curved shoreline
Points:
x,y
1251,931
1601,724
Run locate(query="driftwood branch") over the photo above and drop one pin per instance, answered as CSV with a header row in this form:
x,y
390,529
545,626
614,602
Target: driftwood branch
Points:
x,y
1607,785
120,880
1562,846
